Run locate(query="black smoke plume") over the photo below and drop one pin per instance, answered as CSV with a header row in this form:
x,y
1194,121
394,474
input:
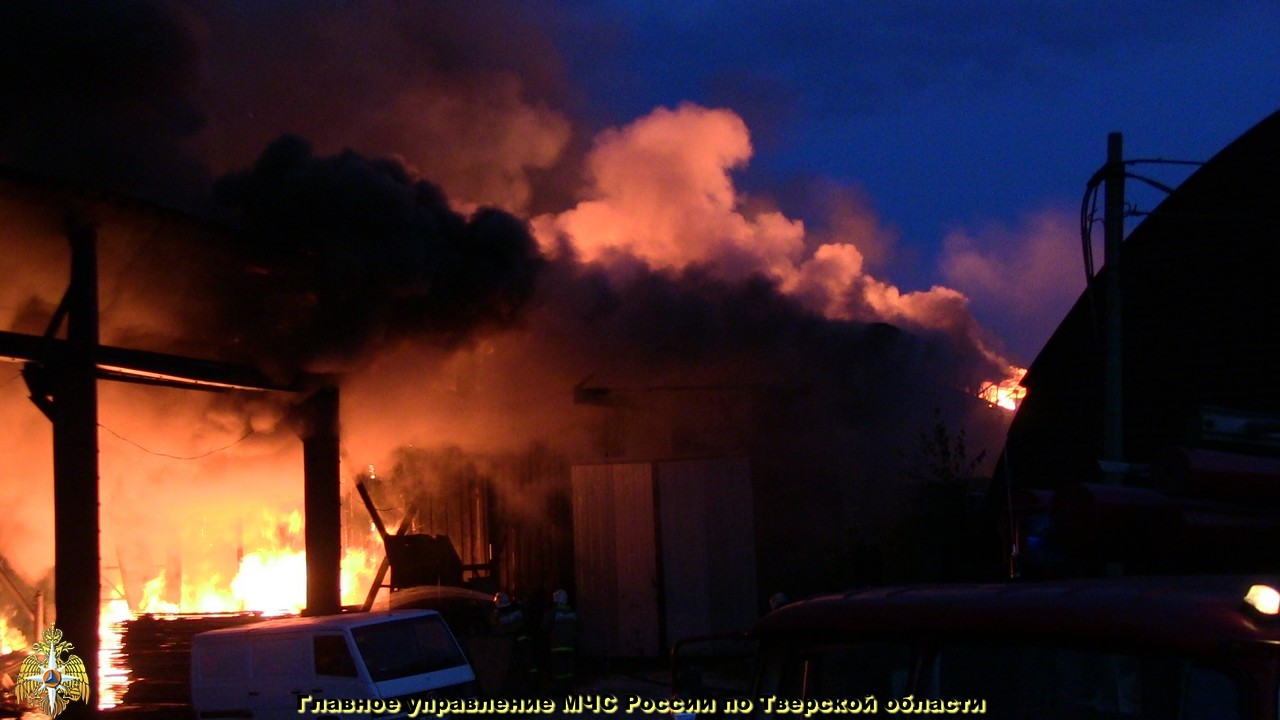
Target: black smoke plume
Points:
x,y
102,94
348,251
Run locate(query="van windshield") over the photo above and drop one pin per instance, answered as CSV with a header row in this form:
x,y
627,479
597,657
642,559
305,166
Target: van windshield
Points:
x,y
412,646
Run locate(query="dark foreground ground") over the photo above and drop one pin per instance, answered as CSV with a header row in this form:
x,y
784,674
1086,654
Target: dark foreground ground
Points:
x,y
601,690
156,652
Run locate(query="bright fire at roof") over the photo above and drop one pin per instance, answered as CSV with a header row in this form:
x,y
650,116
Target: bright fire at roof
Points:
x,y
1007,393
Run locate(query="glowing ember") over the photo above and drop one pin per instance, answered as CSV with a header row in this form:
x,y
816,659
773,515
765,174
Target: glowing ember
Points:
x,y
1007,393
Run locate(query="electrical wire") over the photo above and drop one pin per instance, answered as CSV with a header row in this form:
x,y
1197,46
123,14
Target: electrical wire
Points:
x,y
1153,183
239,440
1088,215
1089,211
1163,161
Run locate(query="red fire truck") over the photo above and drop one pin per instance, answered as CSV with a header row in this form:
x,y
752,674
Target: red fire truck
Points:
x,y
1114,648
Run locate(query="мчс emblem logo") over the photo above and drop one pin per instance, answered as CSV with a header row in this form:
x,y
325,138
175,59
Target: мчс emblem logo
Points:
x,y
48,682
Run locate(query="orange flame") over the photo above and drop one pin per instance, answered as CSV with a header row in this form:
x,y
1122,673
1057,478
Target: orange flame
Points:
x,y
1007,393
11,638
271,580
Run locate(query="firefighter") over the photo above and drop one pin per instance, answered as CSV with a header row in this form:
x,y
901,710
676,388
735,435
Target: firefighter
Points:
x,y
562,638
508,620
507,617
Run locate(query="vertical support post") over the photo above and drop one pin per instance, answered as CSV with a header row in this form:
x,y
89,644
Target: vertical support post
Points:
x,y
1113,389
322,502
75,462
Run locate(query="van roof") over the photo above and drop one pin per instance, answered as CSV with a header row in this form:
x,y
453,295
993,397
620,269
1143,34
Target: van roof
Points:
x,y
1198,614
314,622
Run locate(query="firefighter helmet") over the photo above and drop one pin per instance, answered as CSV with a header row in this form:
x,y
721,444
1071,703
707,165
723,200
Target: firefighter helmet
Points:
x,y
501,600
560,597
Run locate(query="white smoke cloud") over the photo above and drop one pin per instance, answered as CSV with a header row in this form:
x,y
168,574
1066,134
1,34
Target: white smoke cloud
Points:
x,y
661,190
1022,278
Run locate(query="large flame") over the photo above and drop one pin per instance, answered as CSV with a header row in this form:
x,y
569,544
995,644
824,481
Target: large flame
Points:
x,y
1007,393
11,638
271,580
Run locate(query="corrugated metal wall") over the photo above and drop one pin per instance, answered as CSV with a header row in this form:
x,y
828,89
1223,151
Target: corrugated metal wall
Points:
x,y
533,526
513,509
615,559
456,506
650,551
662,551
708,546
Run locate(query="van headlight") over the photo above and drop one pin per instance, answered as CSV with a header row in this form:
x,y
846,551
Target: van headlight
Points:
x,y
1264,599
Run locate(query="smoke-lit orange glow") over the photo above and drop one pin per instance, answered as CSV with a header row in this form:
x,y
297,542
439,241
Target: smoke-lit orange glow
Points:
x,y
1007,393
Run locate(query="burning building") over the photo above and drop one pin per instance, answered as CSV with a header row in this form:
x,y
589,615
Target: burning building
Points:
x,y
487,336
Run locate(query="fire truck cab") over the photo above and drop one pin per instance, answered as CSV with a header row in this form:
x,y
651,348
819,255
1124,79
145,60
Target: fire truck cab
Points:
x,y
1113,648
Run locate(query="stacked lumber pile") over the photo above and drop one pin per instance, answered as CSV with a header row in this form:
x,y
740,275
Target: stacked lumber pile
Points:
x,y
156,650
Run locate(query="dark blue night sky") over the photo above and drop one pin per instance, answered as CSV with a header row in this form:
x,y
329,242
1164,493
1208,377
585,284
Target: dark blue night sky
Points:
x,y
969,117
923,143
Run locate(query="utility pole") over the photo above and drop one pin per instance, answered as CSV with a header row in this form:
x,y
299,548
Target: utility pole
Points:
x,y
1113,372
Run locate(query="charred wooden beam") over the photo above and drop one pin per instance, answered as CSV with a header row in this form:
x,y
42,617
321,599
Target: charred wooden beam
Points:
x,y
142,366
75,460
381,527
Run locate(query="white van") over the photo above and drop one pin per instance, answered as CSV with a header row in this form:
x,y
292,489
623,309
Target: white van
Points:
x,y
291,666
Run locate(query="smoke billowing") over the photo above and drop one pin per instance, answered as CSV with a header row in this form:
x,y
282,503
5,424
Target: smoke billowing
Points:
x,y
350,250
1026,290
100,93
402,202
660,191
456,91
